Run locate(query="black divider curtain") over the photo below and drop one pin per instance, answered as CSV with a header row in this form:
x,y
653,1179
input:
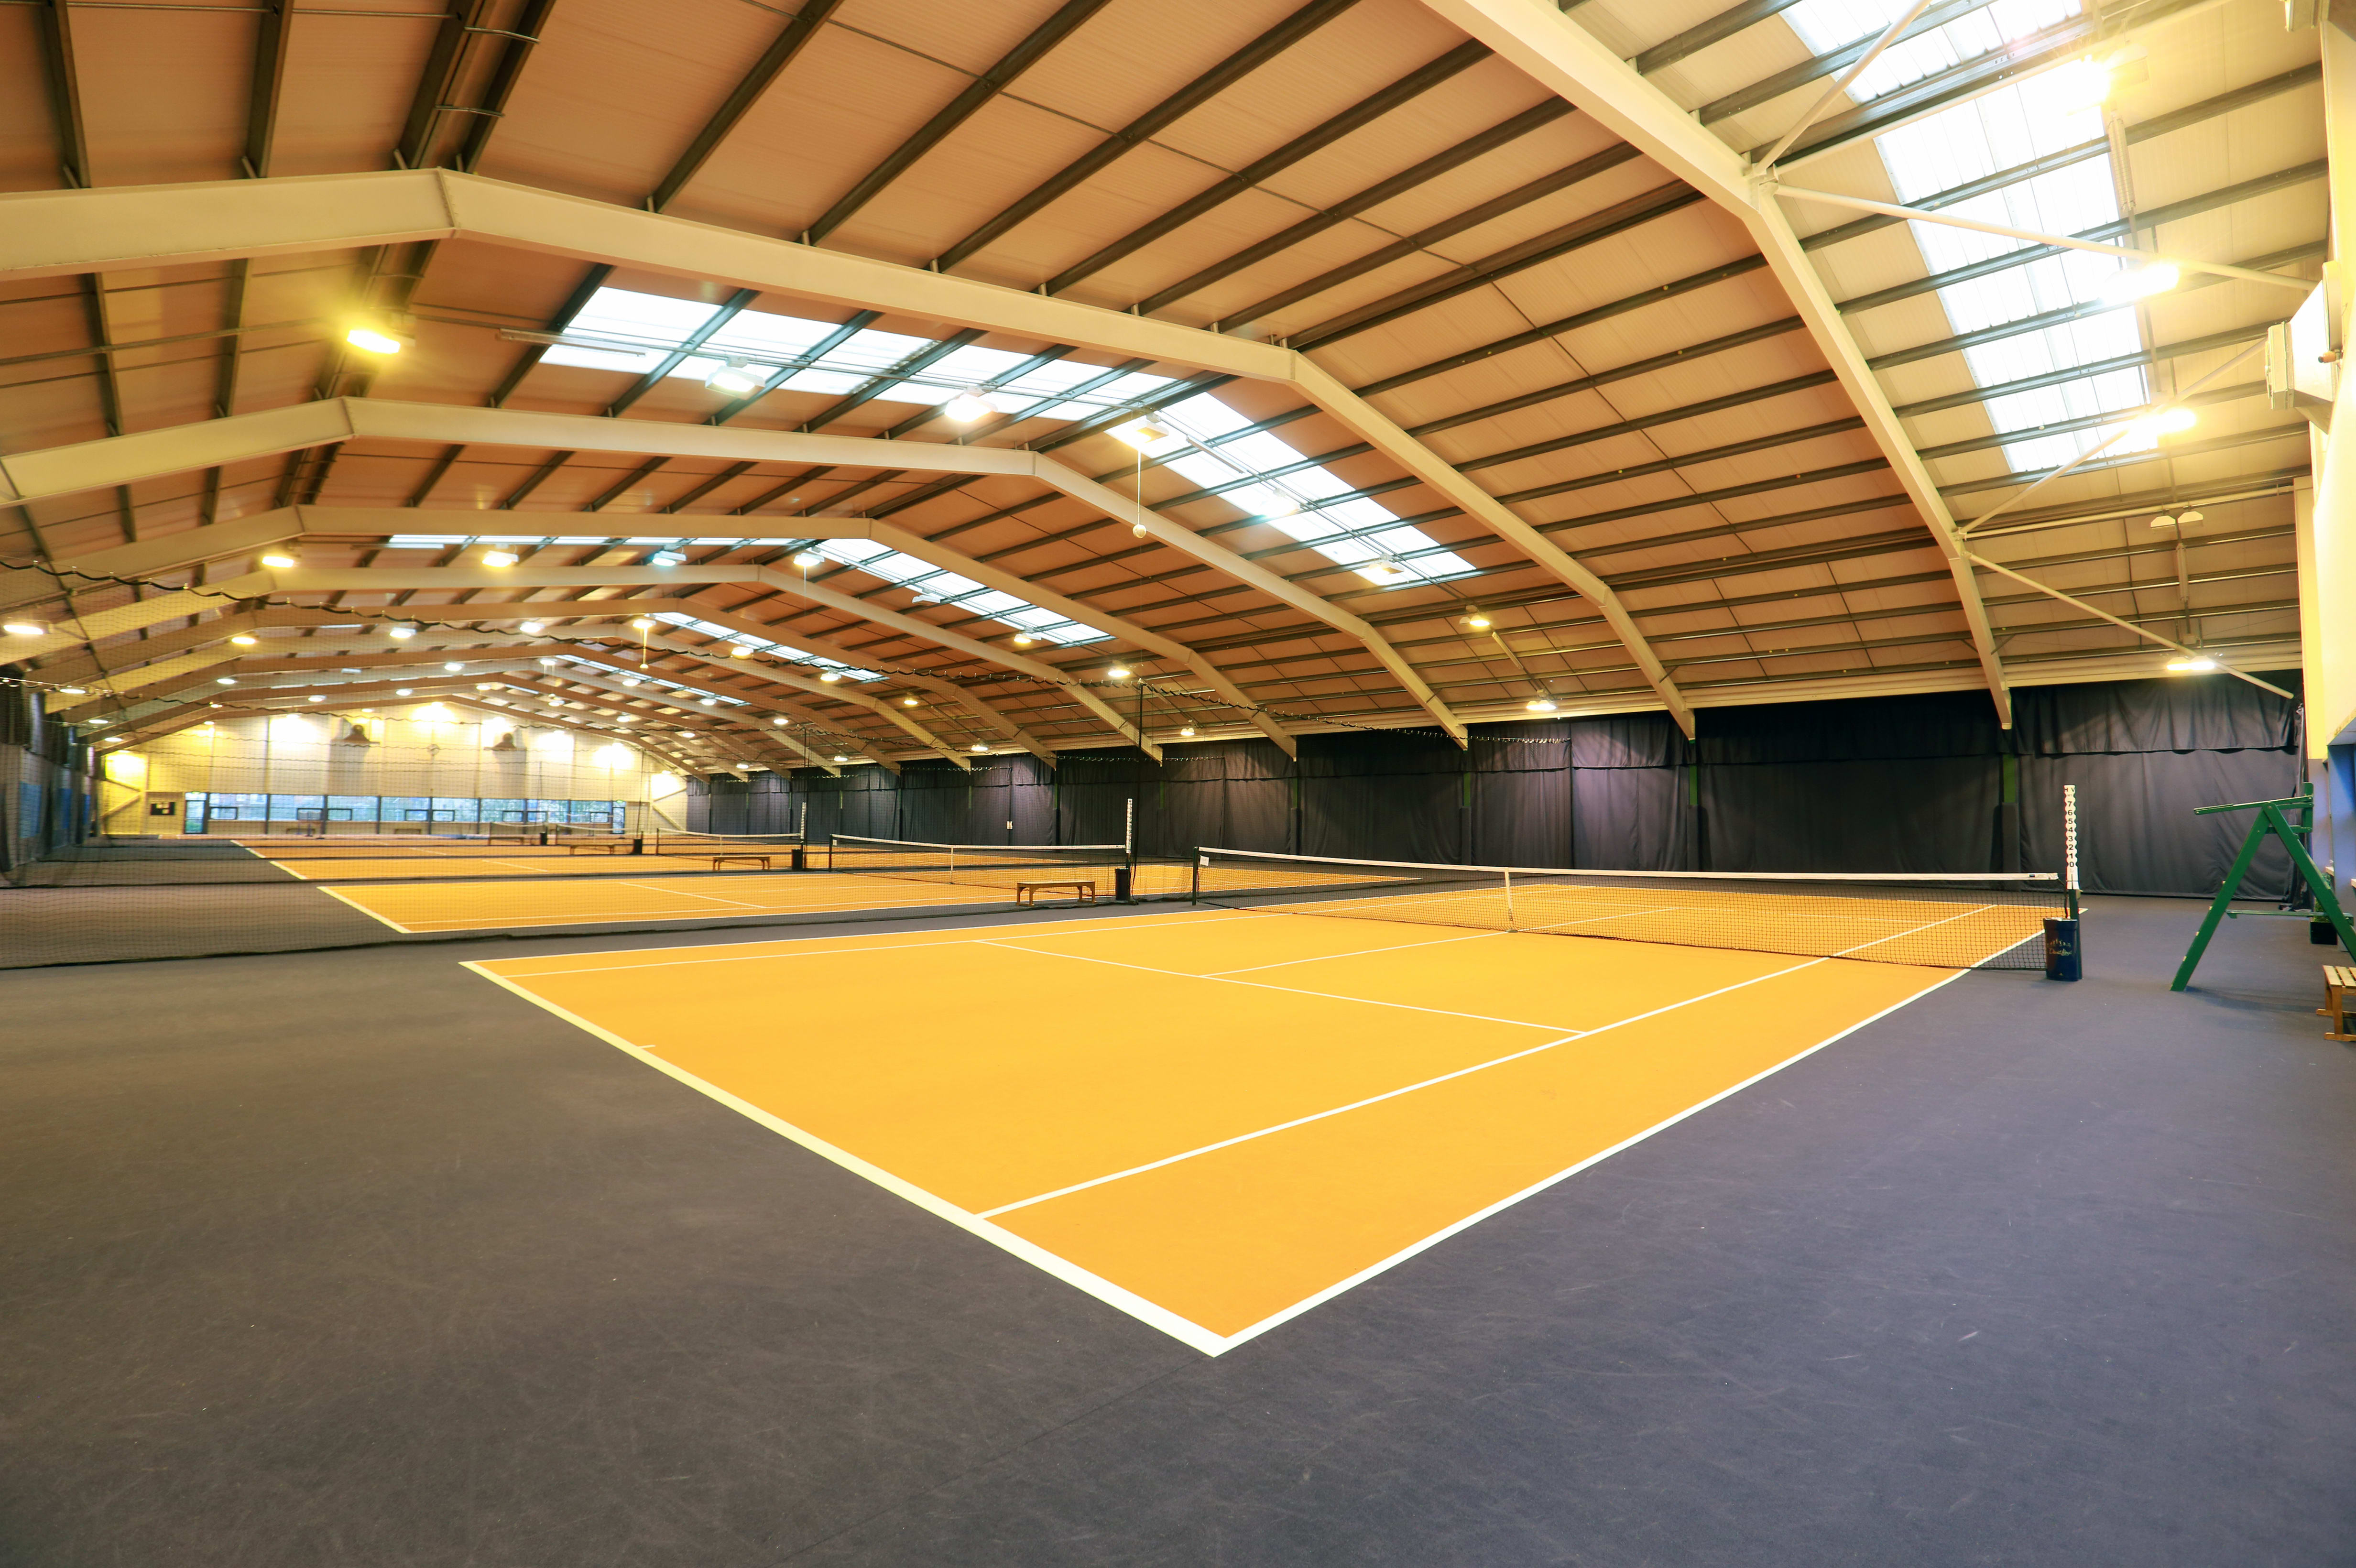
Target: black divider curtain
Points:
x,y
1913,784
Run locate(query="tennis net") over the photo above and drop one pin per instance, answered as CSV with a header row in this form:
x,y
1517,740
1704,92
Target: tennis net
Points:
x,y
977,865
1993,920
691,845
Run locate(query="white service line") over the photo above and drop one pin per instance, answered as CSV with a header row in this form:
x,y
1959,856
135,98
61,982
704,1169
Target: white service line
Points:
x,y
1296,990
1926,926
1388,1093
1356,952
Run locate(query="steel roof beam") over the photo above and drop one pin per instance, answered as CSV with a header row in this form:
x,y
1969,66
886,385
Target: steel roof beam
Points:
x,y
1562,56
1185,101
260,216
1060,24
1543,112
1363,112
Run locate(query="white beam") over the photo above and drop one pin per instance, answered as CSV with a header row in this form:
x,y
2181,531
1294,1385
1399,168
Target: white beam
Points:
x,y
47,233
1564,57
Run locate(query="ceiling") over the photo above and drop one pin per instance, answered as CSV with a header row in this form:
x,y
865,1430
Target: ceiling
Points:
x,y
1482,382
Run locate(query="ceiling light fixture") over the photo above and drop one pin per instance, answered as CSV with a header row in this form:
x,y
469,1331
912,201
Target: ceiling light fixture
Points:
x,y
1023,639
830,677
2168,421
642,625
977,746
740,652
2192,663
1140,433
224,681
499,558
533,628
971,404
2130,283
406,691
381,335
1186,730
400,633
1540,705
1118,672
243,641
735,380
807,558
24,628
278,562
840,758
315,697
1477,621
452,666
910,702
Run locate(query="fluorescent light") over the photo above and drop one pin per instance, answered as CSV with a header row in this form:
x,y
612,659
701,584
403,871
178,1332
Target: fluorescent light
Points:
x,y
406,691
315,697
278,562
402,634
499,558
977,746
2080,84
73,690
452,666
1118,672
840,758
735,380
668,558
969,405
224,681
1540,705
2169,422
1141,433
370,340
2140,283
2193,664
533,628
780,721
243,641
24,629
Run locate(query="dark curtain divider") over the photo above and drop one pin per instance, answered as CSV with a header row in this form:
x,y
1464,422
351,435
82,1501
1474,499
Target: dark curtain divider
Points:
x,y
1918,814
2137,833
1915,784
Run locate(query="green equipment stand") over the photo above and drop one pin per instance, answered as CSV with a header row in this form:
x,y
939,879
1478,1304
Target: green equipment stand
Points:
x,y
2273,821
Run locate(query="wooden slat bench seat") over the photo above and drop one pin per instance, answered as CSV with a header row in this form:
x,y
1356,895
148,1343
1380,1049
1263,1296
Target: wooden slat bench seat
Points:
x,y
2339,1001
1084,888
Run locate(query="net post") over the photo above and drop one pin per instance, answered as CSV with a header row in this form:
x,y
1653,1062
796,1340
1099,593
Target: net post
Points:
x,y
1509,900
2069,847
1194,877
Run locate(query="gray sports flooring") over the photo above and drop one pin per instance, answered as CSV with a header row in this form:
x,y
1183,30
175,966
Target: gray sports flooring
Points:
x,y
351,1258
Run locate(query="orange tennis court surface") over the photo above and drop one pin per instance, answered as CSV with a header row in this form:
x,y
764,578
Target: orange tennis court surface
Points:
x,y
1214,1120
414,907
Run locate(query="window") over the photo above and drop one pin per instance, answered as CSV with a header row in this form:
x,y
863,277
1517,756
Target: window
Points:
x,y
1214,446
2002,130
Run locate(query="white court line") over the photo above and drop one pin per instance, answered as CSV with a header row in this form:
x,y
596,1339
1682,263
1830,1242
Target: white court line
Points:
x,y
1356,953
900,947
1318,1298
381,919
1927,926
1296,990
1599,919
1183,1330
1387,1095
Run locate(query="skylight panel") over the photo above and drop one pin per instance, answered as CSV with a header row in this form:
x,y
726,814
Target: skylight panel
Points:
x,y
1829,25
1997,131
763,645
934,584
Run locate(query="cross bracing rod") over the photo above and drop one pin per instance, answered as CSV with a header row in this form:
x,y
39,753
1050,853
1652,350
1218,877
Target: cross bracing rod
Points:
x,y
2033,236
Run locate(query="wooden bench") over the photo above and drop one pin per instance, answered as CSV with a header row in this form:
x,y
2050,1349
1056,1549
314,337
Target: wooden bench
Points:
x,y
1082,887
598,847
720,860
2339,1001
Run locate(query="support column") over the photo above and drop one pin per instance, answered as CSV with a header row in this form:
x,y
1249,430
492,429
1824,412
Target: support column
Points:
x,y
2325,513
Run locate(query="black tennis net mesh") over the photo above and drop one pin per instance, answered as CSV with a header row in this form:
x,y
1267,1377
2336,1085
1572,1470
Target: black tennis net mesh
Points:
x,y
1002,866
1980,922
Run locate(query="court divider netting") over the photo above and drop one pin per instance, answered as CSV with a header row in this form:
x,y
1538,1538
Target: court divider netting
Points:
x,y
1970,921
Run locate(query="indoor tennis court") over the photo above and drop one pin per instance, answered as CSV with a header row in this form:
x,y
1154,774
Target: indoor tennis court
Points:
x,y
1346,1092
1077,783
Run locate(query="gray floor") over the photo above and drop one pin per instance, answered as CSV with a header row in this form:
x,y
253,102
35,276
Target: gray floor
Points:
x,y
351,1258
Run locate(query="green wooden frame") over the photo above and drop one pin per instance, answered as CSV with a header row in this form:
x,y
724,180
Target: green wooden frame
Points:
x,y
2274,820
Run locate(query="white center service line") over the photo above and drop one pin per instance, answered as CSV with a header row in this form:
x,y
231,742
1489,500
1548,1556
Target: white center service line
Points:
x,y
1387,1095
1266,985
1360,953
